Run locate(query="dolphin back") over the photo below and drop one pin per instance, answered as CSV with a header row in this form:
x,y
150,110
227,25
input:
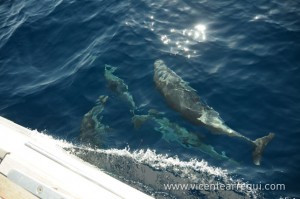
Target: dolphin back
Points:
x,y
177,92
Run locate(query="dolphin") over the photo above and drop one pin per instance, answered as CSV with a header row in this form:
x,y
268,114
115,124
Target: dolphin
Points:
x,y
185,100
92,129
172,132
117,85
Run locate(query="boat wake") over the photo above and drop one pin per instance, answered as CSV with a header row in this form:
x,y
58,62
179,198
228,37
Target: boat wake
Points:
x,y
159,175
163,176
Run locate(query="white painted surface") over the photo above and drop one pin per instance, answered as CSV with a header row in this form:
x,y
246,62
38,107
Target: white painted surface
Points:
x,y
52,169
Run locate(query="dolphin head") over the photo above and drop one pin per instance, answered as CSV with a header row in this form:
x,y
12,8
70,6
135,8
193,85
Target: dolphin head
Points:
x,y
159,64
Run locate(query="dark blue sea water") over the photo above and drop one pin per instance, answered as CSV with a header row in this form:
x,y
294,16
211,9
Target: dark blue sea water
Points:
x,y
241,56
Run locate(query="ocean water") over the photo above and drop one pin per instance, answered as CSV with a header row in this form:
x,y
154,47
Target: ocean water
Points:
x,y
242,57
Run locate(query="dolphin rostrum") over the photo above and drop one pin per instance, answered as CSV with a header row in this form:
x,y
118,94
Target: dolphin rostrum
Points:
x,y
185,100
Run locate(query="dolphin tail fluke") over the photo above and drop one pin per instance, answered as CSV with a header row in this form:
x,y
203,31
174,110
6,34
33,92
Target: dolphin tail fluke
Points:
x,y
260,145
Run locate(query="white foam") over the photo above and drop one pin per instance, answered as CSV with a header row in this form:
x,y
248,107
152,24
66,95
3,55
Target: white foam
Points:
x,y
148,156
162,162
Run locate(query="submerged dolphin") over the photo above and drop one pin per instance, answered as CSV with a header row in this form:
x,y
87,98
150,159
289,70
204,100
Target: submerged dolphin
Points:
x,y
92,129
185,100
118,85
172,132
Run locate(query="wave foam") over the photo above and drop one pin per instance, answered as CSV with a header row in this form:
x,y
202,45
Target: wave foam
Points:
x,y
148,170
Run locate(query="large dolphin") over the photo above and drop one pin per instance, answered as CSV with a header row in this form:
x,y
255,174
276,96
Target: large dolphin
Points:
x,y
185,100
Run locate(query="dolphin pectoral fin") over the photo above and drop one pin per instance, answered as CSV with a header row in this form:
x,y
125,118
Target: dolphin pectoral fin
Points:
x,y
260,145
204,118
